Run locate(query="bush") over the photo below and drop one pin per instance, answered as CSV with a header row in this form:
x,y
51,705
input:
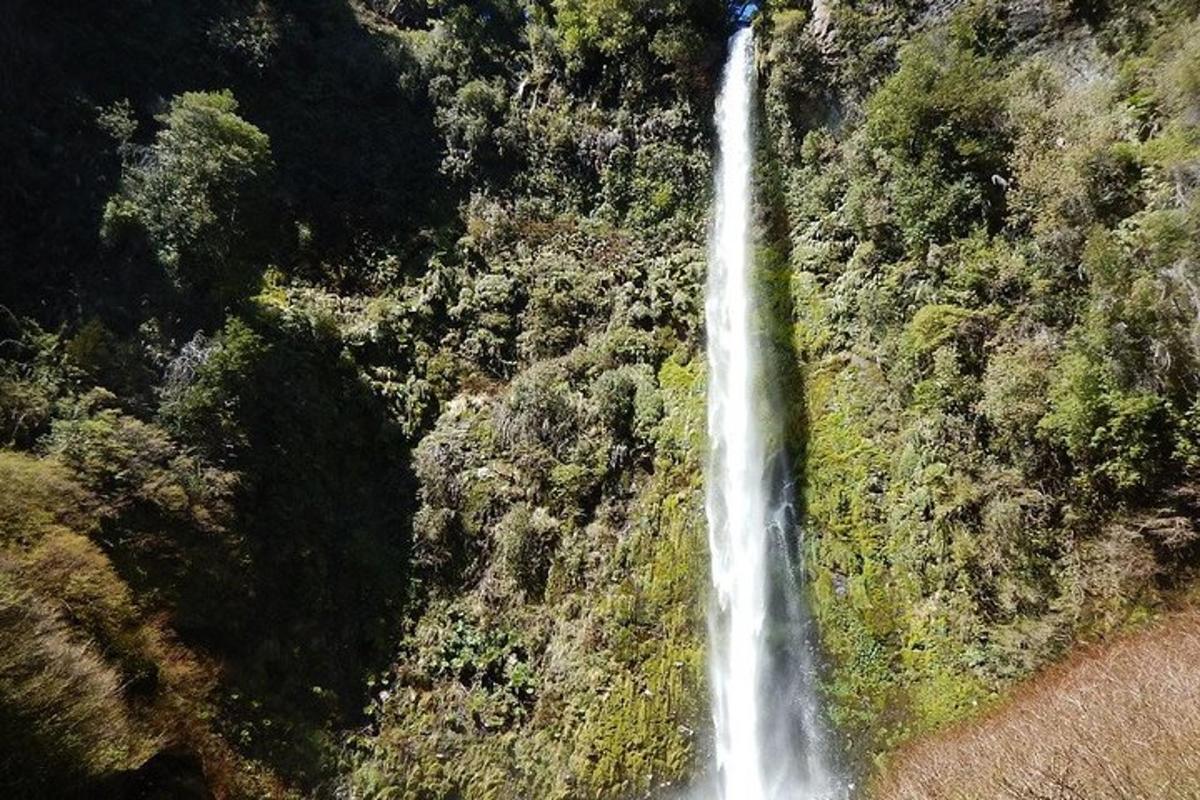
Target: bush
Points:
x,y
642,38
127,462
1113,180
627,404
1121,440
99,356
525,543
467,125
935,328
33,376
567,298
542,415
485,657
447,456
938,121
1015,393
321,506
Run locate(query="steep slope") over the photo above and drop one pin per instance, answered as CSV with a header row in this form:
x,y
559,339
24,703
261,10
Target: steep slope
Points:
x,y
359,341
989,217
352,405
1118,721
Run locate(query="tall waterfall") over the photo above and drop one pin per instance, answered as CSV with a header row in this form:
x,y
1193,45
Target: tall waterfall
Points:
x,y
769,740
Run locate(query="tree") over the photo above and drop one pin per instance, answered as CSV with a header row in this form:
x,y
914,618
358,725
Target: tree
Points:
x,y
197,197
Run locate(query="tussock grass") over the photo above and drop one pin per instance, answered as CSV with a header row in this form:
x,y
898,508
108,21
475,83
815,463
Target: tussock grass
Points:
x,y
61,714
1115,722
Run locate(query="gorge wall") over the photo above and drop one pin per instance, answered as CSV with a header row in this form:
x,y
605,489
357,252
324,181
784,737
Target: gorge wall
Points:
x,y
985,225
352,385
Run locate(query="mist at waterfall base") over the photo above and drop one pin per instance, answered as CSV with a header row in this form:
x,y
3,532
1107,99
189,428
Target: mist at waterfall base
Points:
x,y
770,740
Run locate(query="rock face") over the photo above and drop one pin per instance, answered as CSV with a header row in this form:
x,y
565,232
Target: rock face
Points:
x,y
822,19
938,11
1029,18
1025,18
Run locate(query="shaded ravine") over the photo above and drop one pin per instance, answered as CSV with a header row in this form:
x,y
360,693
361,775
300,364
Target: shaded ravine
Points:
x,y
770,739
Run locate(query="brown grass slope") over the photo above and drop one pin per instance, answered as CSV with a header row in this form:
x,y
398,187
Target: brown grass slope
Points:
x,y
1114,722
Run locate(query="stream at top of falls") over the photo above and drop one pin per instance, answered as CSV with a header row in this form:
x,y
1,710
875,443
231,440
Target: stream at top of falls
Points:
x,y
771,742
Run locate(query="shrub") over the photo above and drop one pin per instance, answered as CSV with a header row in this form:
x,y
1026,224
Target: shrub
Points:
x,y
321,503
1179,78
606,26
468,124
938,121
936,327
1113,179
567,298
101,357
627,404
541,414
127,461
1119,438
488,658
525,544
33,376
642,38
1015,393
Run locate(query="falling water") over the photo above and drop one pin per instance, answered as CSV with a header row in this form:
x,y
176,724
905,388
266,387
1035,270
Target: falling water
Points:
x,y
769,739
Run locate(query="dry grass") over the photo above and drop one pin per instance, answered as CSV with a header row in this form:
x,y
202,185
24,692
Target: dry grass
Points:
x,y
1115,722
61,715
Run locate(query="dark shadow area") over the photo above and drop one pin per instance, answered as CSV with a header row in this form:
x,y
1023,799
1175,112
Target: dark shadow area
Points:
x,y
351,129
168,775
304,605
323,508
797,664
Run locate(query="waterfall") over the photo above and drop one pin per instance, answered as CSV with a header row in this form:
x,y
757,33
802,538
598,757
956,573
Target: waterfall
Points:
x,y
770,743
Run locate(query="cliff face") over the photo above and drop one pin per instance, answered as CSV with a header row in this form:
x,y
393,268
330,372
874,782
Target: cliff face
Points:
x,y
988,212
350,374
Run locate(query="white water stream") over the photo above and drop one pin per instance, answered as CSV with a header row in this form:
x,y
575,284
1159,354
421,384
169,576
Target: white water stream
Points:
x,y
770,743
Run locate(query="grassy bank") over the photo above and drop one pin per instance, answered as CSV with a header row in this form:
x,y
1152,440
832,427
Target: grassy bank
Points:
x,y
1113,722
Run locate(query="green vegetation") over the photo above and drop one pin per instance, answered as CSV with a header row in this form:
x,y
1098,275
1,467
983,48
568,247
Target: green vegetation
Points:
x,y
574,667
192,196
351,399
349,345
993,251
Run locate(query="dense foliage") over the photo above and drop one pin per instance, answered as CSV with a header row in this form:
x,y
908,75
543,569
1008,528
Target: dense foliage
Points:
x,y
351,344
351,401
993,257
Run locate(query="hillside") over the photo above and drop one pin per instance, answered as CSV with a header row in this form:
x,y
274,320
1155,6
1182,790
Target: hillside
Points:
x,y
351,346
984,220
352,392
1112,722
